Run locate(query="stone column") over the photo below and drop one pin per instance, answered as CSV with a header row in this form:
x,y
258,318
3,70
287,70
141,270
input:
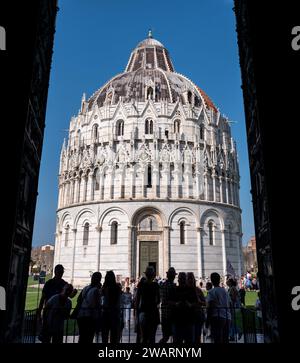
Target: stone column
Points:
x,y
65,194
72,191
165,181
59,247
188,180
121,185
206,186
214,185
226,190
73,255
238,194
232,192
198,184
85,181
131,254
221,189
166,246
59,196
200,251
90,188
175,191
132,182
224,257
101,186
99,230
110,182
155,182
136,255
76,187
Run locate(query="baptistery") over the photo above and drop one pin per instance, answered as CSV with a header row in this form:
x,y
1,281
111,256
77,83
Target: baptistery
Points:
x,y
148,176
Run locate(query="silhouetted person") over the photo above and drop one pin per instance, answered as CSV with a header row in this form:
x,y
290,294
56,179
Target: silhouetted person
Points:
x,y
167,293
235,304
56,311
198,306
136,310
184,312
90,309
52,287
219,310
148,300
242,294
126,300
111,309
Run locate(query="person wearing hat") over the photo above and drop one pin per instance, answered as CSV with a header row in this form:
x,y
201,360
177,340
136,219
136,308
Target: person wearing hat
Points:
x,y
167,293
148,299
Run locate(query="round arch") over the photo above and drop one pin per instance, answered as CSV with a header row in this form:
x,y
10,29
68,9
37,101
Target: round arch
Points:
x,y
109,210
146,210
208,214
183,209
80,213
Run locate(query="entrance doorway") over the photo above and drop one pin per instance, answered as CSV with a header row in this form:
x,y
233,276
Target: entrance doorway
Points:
x,y
148,256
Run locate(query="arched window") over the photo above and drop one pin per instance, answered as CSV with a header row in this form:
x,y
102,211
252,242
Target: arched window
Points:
x,y
201,132
78,137
86,230
211,233
149,93
190,96
95,133
149,177
114,233
120,128
176,127
67,236
182,232
97,179
149,127
146,127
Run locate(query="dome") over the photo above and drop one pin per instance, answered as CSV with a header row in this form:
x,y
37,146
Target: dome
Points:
x,y
149,42
150,74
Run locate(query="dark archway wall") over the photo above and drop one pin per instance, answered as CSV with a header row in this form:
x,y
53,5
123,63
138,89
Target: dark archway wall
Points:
x,y
25,68
270,83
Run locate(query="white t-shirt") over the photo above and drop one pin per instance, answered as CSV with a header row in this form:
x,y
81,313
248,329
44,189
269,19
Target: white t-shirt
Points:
x,y
218,301
90,306
57,313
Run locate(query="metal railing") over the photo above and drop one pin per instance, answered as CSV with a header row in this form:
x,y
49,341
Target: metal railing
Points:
x,y
242,327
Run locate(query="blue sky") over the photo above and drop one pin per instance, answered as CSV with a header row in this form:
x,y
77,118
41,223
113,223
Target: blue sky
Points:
x,y
93,41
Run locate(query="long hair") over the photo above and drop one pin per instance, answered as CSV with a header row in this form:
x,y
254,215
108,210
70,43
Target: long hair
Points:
x,y
111,290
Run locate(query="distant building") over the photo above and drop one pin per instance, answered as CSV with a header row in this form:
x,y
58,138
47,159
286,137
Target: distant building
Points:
x,y
42,258
250,258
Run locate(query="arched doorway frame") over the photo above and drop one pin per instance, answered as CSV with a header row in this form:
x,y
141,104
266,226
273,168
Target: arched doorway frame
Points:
x,y
161,235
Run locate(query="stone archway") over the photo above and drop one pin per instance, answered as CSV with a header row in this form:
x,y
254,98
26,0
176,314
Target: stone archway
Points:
x,y
148,242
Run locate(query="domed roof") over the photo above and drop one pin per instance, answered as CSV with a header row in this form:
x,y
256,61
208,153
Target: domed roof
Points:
x,y
149,42
150,74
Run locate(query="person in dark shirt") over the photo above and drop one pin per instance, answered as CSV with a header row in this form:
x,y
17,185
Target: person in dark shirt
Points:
x,y
148,299
184,312
167,290
52,287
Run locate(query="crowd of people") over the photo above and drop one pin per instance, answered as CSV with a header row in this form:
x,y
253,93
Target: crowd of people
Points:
x,y
186,312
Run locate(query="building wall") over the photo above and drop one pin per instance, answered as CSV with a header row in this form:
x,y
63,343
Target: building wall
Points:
x,y
195,255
